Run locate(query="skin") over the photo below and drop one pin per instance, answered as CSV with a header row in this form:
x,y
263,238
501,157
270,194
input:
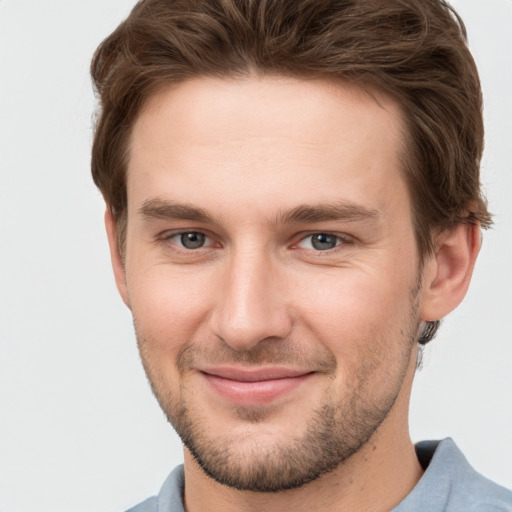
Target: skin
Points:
x,y
259,166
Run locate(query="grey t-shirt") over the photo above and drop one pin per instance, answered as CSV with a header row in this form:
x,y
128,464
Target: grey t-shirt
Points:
x,y
449,484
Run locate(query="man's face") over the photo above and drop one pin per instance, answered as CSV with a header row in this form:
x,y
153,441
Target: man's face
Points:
x,y
272,272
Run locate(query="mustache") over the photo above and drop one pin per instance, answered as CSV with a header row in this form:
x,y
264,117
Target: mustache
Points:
x,y
269,352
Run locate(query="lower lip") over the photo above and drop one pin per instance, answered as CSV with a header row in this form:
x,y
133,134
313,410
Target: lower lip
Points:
x,y
254,393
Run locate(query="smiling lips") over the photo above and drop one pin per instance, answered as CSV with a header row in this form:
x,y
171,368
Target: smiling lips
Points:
x,y
254,387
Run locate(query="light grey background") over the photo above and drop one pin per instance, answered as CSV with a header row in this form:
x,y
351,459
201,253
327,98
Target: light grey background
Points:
x,y
79,428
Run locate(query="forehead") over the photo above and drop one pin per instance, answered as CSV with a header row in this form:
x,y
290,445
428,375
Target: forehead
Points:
x,y
265,105
272,139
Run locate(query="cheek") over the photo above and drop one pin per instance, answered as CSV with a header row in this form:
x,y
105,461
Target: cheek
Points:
x,y
364,319
167,307
353,297
167,313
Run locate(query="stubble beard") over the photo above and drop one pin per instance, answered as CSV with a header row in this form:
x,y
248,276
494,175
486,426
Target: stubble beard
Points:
x,y
334,432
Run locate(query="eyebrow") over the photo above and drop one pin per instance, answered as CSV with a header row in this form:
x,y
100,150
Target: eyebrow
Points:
x,y
164,210
328,212
303,214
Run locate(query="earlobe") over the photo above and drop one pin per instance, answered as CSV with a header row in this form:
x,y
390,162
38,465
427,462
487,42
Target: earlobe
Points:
x,y
447,273
116,257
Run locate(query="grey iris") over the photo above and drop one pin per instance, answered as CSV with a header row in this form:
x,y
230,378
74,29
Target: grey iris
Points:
x,y
322,241
192,240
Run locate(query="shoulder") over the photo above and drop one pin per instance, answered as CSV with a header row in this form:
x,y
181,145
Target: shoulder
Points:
x,y
481,495
450,484
149,505
470,491
170,497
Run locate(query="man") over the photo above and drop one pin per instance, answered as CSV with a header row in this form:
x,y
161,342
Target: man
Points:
x,y
293,204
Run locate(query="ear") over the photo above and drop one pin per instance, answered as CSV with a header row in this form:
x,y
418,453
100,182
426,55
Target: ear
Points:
x,y
447,274
115,257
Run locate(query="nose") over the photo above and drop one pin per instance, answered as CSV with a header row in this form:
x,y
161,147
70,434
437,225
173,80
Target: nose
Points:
x,y
251,305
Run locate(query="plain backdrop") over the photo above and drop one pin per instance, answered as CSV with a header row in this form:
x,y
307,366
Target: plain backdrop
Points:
x,y
79,428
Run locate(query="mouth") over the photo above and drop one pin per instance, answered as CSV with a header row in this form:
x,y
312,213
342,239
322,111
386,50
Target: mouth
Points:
x,y
254,387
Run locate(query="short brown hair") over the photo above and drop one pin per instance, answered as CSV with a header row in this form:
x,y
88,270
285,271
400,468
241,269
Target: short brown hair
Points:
x,y
414,50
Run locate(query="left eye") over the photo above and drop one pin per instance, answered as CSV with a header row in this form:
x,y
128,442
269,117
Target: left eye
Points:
x,y
320,242
190,239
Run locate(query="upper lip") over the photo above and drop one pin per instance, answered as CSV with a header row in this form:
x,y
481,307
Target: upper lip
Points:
x,y
254,374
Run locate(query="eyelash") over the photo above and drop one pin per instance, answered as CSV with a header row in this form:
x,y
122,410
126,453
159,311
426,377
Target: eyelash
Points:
x,y
168,237
341,240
